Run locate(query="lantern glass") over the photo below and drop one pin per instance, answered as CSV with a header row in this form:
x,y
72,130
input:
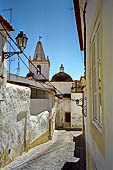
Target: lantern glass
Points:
x,y
21,40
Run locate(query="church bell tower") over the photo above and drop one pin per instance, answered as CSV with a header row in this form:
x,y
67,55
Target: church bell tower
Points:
x,y
41,63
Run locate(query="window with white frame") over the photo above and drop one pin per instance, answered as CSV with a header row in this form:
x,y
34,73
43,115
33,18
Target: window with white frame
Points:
x,y
96,74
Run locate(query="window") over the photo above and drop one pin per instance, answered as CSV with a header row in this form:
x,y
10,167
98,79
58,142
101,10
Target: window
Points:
x,y
33,93
96,74
39,94
67,117
38,69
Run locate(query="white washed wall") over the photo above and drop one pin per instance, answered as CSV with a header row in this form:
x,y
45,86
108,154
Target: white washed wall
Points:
x,y
39,124
15,111
3,65
38,106
3,72
63,106
19,127
63,87
15,118
44,69
67,105
76,111
42,122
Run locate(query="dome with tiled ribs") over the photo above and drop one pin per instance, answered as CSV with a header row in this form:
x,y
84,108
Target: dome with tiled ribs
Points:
x,y
61,76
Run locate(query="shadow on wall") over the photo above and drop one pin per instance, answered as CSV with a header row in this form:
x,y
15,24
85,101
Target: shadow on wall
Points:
x,y
80,151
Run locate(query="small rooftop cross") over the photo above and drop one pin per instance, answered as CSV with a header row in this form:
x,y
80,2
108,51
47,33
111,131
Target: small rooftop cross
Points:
x,y
39,37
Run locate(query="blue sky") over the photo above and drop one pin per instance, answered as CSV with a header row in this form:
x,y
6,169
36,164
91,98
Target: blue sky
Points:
x,y
54,20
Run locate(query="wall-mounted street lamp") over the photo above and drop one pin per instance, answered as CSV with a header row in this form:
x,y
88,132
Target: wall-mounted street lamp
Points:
x,y
77,102
81,105
21,40
84,114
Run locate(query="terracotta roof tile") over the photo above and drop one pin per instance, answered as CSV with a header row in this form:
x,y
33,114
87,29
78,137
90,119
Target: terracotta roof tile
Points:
x,y
61,76
6,23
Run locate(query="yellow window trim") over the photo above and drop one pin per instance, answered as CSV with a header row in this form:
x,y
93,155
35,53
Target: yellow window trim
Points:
x,y
98,136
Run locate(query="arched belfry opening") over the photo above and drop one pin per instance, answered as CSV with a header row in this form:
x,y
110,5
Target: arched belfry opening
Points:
x,y
38,69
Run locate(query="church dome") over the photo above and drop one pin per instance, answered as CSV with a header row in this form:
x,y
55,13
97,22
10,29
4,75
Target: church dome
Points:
x,y
61,76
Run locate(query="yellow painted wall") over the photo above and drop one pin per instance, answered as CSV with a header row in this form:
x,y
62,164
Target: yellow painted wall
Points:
x,y
5,156
40,140
99,139
96,134
89,162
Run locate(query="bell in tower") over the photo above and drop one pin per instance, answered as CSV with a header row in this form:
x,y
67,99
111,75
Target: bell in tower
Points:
x,y
41,63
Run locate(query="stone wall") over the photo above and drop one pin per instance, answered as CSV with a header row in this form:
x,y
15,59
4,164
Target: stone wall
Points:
x,y
14,113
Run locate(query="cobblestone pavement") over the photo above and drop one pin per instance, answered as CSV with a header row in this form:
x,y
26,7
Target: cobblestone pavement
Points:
x,y
53,155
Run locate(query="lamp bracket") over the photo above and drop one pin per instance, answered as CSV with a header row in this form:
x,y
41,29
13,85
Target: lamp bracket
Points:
x,y
79,105
1,76
7,55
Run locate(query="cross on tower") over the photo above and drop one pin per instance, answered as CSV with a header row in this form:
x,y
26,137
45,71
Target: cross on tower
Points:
x,y
39,37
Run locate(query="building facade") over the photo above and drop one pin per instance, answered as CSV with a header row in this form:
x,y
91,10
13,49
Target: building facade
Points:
x,y
69,115
22,124
67,111
99,54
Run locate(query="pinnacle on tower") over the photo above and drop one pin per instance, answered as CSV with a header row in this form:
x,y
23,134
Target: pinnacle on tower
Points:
x,y
39,52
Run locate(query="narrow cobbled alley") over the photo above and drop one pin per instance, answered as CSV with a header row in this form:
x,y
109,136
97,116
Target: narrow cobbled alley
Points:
x,y
57,154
